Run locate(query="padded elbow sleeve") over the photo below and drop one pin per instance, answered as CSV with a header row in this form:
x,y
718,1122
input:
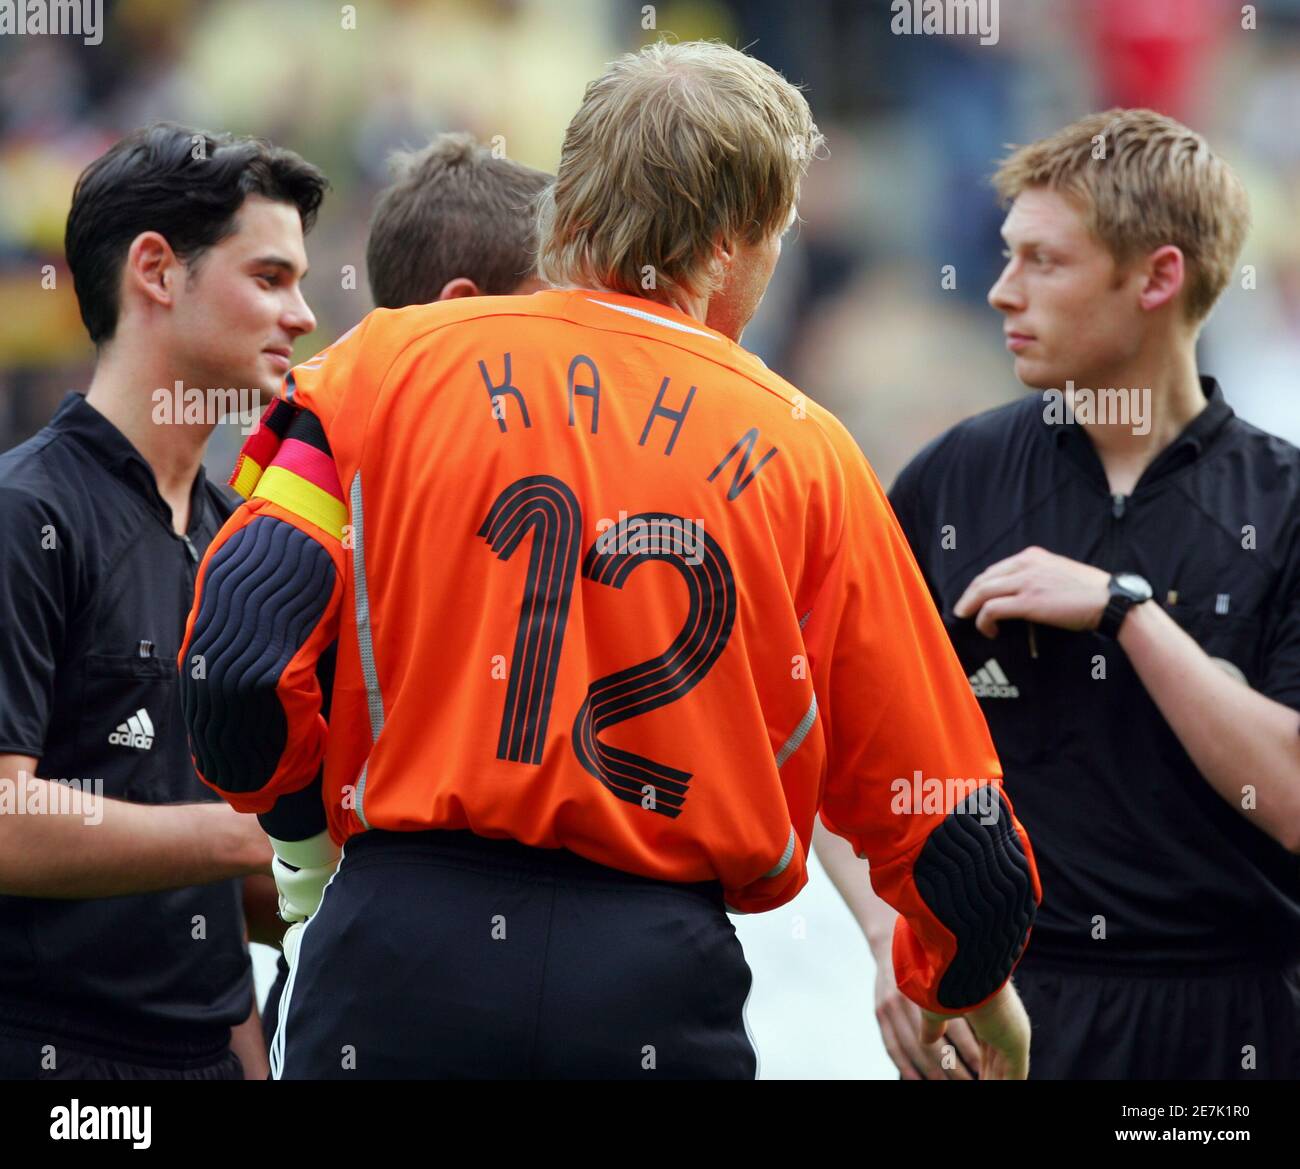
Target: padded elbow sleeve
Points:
x,y
263,593
973,874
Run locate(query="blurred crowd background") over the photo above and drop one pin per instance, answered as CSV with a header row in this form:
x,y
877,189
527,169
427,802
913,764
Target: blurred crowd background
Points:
x,y
857,316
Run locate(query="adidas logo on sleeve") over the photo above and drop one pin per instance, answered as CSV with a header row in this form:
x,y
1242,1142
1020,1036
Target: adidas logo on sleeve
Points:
x,y
990,682
137,731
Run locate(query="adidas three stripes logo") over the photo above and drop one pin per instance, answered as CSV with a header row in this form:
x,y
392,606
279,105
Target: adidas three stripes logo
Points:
x,y
990,682
137,731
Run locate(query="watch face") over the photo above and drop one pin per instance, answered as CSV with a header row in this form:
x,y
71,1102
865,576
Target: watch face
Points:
x,y
1132,584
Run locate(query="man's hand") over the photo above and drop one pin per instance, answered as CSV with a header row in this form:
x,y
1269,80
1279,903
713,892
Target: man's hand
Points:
x,y
1036,585
246,1042
900,1027
262,910
1002,1028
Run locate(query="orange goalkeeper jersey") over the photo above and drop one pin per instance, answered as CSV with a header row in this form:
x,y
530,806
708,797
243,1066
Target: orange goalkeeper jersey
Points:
x,y
599,579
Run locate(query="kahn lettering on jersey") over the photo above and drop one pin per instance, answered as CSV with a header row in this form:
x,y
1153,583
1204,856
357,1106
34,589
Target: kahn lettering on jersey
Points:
x,y
664,421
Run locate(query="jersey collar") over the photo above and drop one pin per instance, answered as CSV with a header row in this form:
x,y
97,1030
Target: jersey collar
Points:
x,y
650,318
613,306
114,452
1201,429
1196,433
1072,439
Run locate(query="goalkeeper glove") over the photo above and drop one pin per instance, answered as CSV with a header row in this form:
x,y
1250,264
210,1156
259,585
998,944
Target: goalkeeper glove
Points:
x,y
292,939
302,868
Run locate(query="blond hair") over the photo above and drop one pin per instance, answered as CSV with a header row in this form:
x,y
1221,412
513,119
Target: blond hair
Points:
x,y
1143,181
674,147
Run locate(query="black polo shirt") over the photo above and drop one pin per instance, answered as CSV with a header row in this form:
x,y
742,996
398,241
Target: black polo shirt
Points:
x,y
94,590
1130,839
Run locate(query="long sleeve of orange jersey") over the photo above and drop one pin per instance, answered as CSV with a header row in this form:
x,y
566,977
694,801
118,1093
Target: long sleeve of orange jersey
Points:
x,y
266,607
913,781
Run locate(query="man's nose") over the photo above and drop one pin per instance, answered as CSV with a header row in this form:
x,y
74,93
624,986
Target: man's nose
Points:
x,y
298,318
1005,295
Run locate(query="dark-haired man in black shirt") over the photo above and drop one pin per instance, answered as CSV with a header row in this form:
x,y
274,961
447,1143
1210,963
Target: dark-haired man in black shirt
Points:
x,y
120,920
1118,563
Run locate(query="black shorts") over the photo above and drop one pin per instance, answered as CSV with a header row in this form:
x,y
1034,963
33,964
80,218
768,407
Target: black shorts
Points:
x,y
49,1058
271,1007
1212,1023
439,955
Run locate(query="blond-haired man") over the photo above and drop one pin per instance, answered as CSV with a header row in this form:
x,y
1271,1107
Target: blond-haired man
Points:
x,y
618,611
1118,563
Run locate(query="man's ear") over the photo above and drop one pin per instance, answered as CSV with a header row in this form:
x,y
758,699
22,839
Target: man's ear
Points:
x,y
1166,273
724,252
460,286
152,269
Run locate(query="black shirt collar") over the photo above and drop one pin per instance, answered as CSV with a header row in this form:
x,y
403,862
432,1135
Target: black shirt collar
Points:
x,y
113,450
1201,429
1190,443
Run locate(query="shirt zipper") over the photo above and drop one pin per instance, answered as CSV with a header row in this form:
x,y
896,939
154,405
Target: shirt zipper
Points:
x,y
1118,510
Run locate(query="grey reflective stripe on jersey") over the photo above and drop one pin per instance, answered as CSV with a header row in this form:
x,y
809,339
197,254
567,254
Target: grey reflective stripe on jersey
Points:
x,y
636,312
365,639
804,619
777,869
788,748
361,794
795,741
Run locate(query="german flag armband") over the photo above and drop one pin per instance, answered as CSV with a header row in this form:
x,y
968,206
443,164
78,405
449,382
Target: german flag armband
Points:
x,y
289,462
260,448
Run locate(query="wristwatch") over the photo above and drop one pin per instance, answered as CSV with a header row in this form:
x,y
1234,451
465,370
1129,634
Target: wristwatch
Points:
x,y
1126,590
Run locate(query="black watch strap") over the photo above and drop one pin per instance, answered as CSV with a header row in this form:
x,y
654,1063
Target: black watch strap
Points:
x,y
1126,590
1112,617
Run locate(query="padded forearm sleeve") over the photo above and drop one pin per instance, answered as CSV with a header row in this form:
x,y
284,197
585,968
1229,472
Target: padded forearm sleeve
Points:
x,y
263,593
974,876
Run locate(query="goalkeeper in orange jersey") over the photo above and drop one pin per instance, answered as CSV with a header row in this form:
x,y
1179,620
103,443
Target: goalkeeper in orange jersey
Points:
x,y
619,612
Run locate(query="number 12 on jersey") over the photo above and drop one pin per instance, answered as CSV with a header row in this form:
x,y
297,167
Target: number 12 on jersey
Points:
x,y
546,508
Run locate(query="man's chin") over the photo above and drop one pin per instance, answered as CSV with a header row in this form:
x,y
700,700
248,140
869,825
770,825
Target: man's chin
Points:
x,y
267,379
1033,376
